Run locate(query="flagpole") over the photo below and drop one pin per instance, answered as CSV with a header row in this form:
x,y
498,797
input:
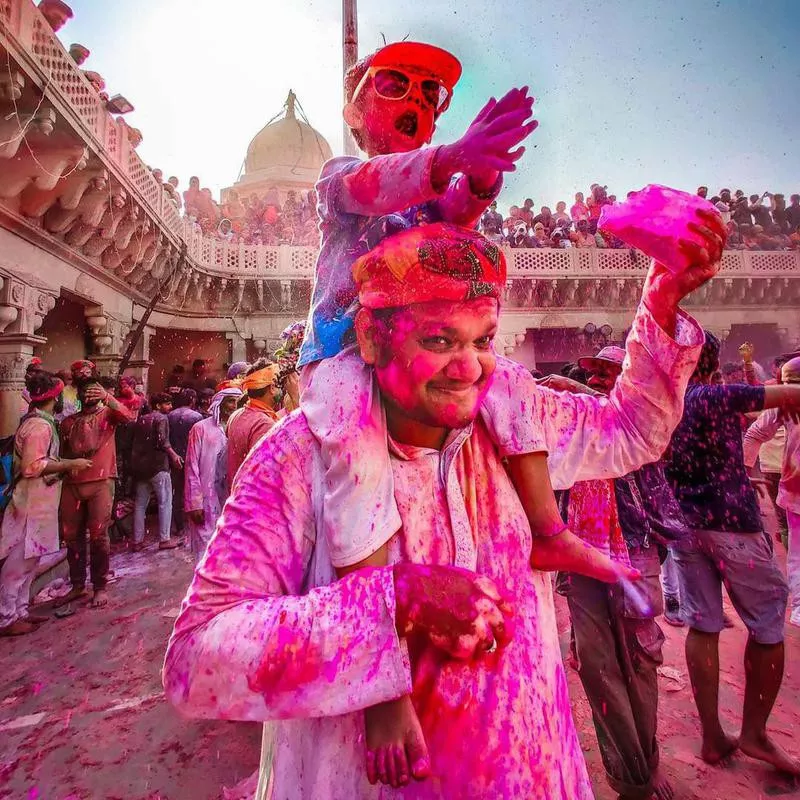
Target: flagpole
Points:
x,y
349,57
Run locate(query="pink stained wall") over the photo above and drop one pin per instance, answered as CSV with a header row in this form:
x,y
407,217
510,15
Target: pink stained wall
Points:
x,y
170,347
66,333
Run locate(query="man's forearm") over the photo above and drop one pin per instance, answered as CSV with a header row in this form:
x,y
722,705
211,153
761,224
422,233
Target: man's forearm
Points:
x,y
331,651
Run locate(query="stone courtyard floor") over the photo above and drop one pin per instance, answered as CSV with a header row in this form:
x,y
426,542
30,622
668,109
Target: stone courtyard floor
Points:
x,y
83,717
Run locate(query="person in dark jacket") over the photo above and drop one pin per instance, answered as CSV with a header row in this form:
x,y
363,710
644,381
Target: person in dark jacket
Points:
x,y
151,458
617,640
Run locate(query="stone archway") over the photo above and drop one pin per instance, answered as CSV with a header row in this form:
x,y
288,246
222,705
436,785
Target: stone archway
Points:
x,y
67,335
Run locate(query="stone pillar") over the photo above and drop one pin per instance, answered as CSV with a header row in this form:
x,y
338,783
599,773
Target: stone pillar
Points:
x,y
238,347
108,338
22,311
140,363
16,352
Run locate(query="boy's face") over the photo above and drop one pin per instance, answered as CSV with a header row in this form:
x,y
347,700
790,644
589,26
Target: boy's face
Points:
x,y
394,126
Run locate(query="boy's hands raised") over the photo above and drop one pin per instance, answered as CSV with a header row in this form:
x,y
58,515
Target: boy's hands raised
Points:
x,y
490,144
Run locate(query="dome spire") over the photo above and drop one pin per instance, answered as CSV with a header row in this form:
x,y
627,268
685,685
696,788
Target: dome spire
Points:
x,y
290,104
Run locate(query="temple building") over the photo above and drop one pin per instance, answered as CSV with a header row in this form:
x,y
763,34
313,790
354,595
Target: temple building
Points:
x,y
284,157
96,258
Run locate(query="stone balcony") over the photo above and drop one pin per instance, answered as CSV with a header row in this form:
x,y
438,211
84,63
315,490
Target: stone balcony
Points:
x,y
71,183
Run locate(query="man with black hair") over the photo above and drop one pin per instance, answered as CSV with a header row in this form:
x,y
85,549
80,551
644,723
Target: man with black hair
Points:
x,y
183,417
30,523
705,463
152,456
249,423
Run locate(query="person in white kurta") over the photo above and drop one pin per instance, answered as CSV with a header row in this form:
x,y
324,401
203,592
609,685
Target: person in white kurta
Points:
x,y
205,470
30,523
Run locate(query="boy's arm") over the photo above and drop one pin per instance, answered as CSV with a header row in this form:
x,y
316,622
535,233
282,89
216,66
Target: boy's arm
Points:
x,y
467,198
381,185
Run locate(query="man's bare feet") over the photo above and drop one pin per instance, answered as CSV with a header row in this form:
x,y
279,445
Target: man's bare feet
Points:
x,y
99,599
765,749
565,552
662,788
70,597
396,749
719,748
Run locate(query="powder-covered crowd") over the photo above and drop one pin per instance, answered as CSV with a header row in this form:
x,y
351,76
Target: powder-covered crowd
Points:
x,y
752,224
88,448
378,586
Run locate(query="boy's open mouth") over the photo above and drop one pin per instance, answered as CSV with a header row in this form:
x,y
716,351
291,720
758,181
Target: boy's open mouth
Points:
x,y
407,124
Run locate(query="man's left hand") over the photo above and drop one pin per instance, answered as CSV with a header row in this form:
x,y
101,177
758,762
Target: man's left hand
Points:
x,y
663,289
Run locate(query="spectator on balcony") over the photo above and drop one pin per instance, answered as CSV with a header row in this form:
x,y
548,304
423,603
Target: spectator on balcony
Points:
x,y
513,218
584,238
735,241
526,213
192,199
596,200
793,213
795,238
518,236
702,191
759,212
545,217
777,238
492,222
777,203
579,210
540,236
741,210
561,213
560,238
751,236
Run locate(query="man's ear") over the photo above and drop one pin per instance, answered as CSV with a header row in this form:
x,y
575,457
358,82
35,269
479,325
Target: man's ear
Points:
x,y
366,336
353,116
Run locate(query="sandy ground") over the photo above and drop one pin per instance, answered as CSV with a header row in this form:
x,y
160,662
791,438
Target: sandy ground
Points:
x,y
82,715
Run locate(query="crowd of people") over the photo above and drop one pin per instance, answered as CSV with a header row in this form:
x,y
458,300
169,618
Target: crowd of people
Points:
x,y
751,224
249,219
378,581
89,448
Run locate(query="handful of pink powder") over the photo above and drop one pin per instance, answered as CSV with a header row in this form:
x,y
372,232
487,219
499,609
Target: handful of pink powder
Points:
x,y
654,220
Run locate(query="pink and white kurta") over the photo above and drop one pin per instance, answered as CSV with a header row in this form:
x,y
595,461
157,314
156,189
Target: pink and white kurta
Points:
x,y
266,634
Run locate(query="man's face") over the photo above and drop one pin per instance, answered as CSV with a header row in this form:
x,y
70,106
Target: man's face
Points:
x,y
90,395
227,407
164,408
395,126
603,375
434,361
702,191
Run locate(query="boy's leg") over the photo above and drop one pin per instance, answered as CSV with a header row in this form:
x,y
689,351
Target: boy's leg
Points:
x,y
342,404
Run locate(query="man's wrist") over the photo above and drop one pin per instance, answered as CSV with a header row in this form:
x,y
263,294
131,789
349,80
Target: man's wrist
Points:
x,y
485,186
444,166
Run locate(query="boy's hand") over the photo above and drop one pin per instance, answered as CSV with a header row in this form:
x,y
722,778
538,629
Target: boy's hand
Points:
x,y
488,146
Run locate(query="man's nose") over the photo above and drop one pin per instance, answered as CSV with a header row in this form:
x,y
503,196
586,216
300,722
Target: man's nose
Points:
x,y
465,366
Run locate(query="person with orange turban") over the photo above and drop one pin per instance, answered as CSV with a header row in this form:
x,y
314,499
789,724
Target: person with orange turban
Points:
x,y
249,423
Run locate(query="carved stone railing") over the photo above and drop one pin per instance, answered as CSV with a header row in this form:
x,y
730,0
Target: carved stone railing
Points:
x,y
70,177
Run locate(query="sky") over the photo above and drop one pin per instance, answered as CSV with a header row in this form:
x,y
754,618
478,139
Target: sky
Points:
x,y
629,92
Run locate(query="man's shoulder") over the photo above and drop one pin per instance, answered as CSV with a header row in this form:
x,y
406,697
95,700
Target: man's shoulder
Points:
x,y
289,435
